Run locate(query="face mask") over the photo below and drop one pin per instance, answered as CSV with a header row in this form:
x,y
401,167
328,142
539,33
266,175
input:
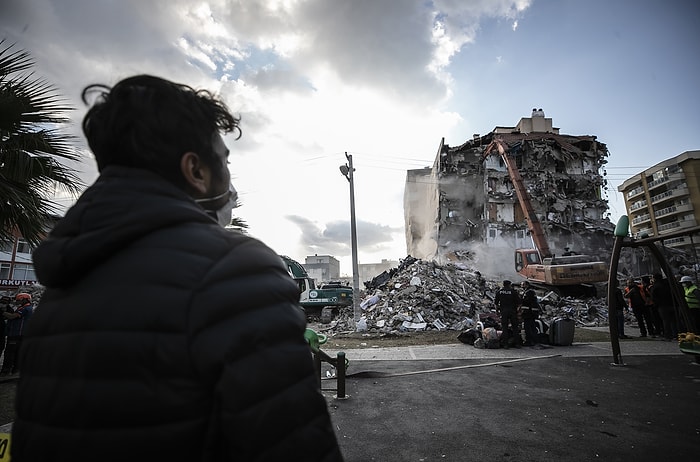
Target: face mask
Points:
x,y
223,213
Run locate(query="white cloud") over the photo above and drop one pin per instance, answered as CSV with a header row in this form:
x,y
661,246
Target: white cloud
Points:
x,y
312,79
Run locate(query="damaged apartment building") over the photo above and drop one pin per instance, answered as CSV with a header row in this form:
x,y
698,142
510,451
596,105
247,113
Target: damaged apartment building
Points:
x,y
466,205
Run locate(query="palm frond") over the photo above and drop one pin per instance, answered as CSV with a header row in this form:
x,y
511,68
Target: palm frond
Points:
x,y
31,147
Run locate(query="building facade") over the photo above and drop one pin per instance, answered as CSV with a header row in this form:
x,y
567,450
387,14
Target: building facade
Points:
x,y
16,266
666,198
465,206
322,268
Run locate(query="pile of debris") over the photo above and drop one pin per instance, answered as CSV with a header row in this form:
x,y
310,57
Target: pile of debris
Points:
x,y
422,295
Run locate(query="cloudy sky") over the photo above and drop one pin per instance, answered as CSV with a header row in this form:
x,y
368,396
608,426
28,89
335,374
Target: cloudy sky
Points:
x,y
384,81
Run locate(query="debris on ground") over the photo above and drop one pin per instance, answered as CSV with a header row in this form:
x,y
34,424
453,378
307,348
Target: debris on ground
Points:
x,y
423,295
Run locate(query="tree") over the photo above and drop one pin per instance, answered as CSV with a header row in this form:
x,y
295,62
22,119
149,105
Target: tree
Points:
x,y
30,148
237,223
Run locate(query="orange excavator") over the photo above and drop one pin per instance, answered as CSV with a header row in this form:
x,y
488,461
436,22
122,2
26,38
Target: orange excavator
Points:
x,y
568,274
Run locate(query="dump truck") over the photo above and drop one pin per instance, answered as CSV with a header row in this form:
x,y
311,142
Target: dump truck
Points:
x,y
322,303
566,274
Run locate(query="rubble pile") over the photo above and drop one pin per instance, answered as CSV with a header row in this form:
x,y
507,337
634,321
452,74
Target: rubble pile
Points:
x,y
422,295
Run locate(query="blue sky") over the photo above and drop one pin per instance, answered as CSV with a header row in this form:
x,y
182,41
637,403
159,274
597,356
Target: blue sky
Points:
x,y
384,81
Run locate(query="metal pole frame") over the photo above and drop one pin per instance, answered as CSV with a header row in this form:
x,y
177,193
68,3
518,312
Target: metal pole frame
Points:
x,y
357,313
621,240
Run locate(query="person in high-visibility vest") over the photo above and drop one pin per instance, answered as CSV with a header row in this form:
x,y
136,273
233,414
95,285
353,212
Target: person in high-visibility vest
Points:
x,y
692,298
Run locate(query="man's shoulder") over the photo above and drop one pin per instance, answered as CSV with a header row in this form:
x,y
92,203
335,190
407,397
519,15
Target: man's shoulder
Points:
x,y
250,251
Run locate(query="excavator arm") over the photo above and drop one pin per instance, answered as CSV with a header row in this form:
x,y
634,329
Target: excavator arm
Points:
x,y
533,222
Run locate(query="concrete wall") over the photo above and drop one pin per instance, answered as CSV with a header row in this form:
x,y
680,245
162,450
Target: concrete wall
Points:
x,y
421,211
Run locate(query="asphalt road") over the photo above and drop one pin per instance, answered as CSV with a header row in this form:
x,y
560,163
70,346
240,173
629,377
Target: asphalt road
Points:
x,y
545,407
7,400
550,409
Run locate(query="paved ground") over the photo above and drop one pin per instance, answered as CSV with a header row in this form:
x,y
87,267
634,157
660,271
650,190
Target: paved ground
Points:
x,y
456,402
459,403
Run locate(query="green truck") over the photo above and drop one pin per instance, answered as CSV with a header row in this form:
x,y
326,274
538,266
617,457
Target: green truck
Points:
x,y
322,302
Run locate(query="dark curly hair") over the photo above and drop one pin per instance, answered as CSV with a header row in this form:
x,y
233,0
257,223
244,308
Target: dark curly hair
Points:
x,y
149,122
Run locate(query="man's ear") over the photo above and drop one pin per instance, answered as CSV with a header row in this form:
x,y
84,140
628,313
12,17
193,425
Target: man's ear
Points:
x,y
195,172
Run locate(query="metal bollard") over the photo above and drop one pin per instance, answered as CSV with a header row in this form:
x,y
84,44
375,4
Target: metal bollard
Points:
x,y
317,366
340,375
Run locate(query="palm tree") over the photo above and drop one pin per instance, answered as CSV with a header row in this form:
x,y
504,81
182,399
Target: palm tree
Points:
x,y
30,148
237,223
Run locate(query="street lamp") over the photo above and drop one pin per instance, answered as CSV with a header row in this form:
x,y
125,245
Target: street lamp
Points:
x,y
347,171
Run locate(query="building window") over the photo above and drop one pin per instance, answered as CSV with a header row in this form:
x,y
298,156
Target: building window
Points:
x,y
24,247
492,233
23,273
4,271
6,246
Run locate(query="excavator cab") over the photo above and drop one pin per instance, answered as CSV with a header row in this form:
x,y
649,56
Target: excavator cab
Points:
x,y
529,264
526,257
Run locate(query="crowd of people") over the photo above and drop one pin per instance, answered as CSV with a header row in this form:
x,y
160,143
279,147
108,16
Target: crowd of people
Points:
x,y
16,311
650,300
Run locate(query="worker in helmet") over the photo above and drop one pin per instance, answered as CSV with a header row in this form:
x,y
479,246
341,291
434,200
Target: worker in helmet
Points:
x,y
692,298
17,320
530,310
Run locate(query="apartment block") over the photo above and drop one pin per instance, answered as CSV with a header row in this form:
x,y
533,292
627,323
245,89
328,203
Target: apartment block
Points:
x,y
665,198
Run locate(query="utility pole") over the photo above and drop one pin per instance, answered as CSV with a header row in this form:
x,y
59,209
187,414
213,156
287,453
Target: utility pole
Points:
x,y
347,171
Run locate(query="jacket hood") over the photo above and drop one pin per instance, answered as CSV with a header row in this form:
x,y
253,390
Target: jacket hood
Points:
x,y
123,205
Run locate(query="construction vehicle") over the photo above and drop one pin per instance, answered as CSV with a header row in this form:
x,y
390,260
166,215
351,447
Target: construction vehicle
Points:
x,y
323,302
572,274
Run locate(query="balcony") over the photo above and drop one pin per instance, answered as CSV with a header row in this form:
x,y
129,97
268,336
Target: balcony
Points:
x,y
677,241
673,210
676,225
656,183
638,205
681,191
641,219
635,192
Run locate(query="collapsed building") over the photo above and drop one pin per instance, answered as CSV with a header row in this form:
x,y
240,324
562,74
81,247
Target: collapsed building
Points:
x,y
466,203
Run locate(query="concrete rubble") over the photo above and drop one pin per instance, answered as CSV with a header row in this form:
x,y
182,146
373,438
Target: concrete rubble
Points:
x,y
423,295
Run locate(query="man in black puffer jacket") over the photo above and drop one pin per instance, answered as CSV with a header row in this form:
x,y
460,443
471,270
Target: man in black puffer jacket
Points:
x,y
161,335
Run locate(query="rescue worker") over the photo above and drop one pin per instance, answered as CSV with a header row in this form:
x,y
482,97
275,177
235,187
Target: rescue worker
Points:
x,y
530,310
507,303
637,303
657,327
692,298
16,322
663,299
